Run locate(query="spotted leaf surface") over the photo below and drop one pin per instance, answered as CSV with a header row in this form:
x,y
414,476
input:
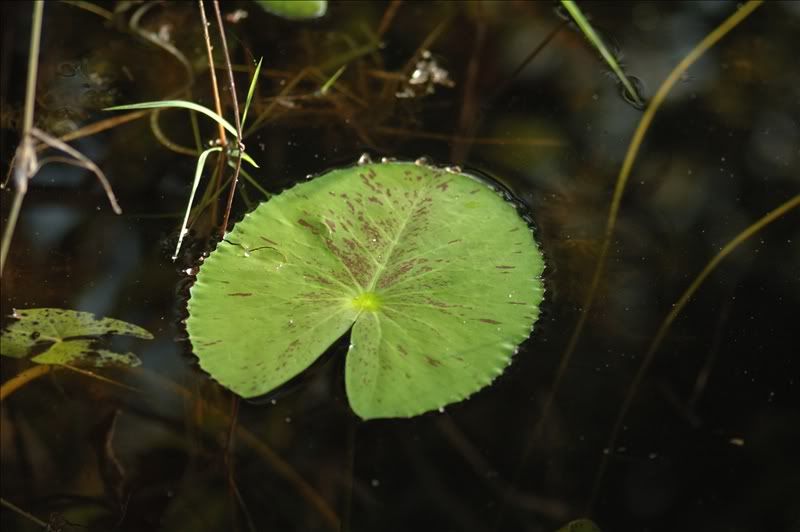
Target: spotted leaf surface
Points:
x,y
435,273
61,336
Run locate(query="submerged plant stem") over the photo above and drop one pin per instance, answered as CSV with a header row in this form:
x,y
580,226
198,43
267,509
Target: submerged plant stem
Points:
x,y
647,118
644,124
91,7
22,378
388,17
163,44
328,84
633,149
679,305
93,375
29,516
282,468
530,57
39,370
99,126
278,464
165,141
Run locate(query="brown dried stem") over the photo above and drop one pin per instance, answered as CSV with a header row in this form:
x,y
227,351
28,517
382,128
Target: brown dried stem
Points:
x,y
80,160
25,157
223,139
237,121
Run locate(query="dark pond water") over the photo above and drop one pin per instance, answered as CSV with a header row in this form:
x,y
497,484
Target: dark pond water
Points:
x,y
710,440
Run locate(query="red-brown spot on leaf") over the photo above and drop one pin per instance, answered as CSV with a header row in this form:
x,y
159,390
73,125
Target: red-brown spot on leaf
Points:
x,y
311,228
366,181
432,362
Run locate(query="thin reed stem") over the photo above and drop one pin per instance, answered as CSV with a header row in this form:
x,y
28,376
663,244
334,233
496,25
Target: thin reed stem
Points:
x,y
223,139
25,157
234,100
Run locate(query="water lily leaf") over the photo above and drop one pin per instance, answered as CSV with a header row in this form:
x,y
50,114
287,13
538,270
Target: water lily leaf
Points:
x,y
437,275
76,352
295,9
60,336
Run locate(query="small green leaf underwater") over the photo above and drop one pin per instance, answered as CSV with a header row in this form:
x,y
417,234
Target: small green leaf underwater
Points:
x,y
295,9
433,272
67,337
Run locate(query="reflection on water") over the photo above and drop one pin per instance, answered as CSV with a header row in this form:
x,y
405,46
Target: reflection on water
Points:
x,y
708,443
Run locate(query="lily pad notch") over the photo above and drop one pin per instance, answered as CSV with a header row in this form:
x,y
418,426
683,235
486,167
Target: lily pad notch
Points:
x,y
434,274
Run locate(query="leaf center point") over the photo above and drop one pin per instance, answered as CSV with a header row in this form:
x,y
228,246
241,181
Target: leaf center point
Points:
x,y
368,301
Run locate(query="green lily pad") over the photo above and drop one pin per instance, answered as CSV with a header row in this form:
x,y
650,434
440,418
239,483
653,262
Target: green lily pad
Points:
x,y
295,9
436,274
60,336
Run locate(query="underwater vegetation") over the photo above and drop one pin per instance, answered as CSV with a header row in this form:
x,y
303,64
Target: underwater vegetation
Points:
x,y
561,298
65,337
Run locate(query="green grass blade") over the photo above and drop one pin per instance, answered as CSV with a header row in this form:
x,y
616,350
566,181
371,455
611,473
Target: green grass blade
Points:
x,y
587,29
250,160
250,92
201,161
328,84
234,153
180,104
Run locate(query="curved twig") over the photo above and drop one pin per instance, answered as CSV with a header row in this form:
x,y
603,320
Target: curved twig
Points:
x,y
22,378
81,160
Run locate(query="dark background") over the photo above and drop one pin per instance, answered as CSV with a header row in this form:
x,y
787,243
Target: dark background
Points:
x,y
722,152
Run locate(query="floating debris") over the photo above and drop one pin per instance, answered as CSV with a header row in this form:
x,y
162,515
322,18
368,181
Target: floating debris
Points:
x,y
426,76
